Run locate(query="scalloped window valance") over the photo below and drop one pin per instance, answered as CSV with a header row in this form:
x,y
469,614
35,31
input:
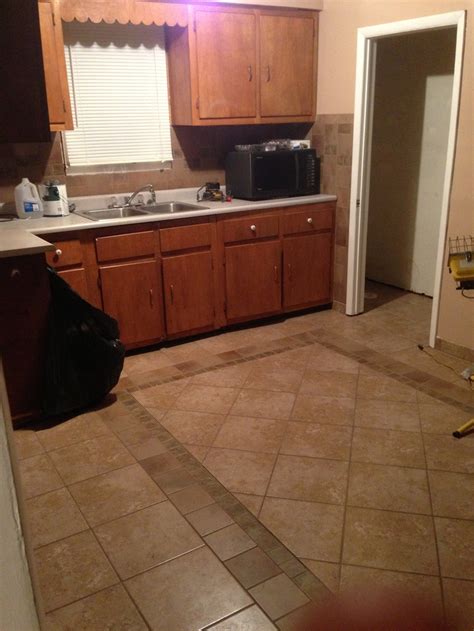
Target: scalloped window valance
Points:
x,y
124,11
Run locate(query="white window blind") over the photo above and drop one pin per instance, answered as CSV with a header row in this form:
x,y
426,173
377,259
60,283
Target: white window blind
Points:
x,y
119,91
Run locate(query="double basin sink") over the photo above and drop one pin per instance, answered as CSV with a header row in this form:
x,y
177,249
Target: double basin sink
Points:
x,y
133,211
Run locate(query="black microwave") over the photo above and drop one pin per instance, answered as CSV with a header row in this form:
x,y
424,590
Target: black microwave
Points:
x,y
271,174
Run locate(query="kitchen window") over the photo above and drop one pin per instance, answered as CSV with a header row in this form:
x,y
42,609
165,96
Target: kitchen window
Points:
x,y
118,83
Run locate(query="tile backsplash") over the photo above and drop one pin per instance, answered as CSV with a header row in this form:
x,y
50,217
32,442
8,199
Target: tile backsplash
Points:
x,y
199,154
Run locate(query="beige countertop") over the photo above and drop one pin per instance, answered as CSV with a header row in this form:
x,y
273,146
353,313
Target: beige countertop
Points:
x,y
18,237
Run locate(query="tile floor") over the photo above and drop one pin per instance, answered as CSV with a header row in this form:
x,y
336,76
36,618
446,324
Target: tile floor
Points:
x,y
241,478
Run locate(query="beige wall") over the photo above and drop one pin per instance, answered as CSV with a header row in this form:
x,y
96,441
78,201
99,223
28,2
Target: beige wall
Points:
x,y
339,22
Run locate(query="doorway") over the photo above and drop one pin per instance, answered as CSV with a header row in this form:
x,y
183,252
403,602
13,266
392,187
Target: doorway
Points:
x,y
408,79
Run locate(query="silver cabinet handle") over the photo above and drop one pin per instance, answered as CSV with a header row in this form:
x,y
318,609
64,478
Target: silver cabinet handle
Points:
x,y
172,294
58,252
269,74
310,220
253,228
249,69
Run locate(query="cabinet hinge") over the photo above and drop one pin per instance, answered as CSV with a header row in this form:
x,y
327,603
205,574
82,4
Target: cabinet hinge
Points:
x,y
64,106
54,19
99,282
357,203
197,103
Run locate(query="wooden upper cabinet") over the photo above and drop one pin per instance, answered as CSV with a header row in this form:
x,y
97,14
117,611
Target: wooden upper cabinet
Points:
x,y
237,65
287,65
52,44
226,64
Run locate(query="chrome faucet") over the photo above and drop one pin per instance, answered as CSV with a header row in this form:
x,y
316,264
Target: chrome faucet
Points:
x,y
147,187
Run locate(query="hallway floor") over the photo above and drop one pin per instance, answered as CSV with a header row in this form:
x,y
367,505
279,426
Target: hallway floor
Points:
x,y
237,480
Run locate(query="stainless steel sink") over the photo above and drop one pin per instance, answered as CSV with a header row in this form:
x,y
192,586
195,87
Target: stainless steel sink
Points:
x,y
133,211
111,213
172,207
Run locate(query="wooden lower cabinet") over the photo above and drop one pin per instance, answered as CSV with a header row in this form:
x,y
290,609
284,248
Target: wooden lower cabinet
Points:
x,y
307,267
77,280
253,280
188,285
131,294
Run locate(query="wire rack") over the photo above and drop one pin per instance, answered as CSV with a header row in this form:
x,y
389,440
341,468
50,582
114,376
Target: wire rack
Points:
x,y
461,245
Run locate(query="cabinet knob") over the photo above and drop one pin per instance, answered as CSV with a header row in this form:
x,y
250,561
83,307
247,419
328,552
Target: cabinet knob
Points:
x,y
310,220
253,228
15,273
58,252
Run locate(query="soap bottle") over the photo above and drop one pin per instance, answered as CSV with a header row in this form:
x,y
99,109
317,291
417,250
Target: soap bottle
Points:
x,y
27,200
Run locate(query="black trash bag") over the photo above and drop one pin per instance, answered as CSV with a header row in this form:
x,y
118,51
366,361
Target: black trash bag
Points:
x,y
84,356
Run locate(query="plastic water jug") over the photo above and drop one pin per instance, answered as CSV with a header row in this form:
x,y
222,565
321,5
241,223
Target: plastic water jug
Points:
x,y
27,200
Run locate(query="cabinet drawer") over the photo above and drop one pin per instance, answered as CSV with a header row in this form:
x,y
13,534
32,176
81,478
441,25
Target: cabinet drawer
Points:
x,y
185,237
308,219
67,254
125,246
251,228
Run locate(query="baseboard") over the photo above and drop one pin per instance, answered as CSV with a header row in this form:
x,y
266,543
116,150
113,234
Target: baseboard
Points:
x,y
339,306
463,352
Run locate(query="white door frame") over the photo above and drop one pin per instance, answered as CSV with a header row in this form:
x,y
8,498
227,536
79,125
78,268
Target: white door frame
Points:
x,y
359,204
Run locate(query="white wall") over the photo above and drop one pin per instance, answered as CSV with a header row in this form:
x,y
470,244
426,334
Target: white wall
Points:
x,y
411,121
17,601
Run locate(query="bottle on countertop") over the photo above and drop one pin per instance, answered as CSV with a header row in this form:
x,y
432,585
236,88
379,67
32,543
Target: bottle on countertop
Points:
x,y
27,200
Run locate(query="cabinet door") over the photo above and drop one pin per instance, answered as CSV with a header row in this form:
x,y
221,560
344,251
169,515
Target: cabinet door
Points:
x,y
307,270
76,279
188,283
226,59
286,80
130,294
253,279
57,92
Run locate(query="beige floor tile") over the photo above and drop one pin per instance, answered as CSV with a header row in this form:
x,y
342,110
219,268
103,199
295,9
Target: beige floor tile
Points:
x,y
317,441
146,448
380,446
325,410
364,580
53,516
112,608
229,542
278,596
377,386
389,540
209,519
117,417
142,540
241,471
328,573
311,479
196,428
329,384
38,475
438,418
326,359
452,494
250,434
252,502
310,530
90,458
282,377
387,415
388,487
198,451
71,569
191,498
252,567
250,618
146,361
27,444
449,454
459,603
161,463
209,590
161,396
173,480
74,430
213,399
263,403
116,493
228,377
456,550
